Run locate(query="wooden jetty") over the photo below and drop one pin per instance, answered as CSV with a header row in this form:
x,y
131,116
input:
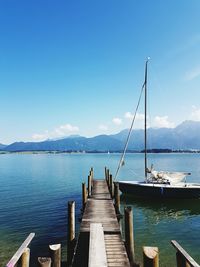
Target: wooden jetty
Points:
x,y
100,242
99,211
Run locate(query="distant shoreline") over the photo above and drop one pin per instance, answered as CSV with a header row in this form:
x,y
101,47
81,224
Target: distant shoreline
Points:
x,y
154,151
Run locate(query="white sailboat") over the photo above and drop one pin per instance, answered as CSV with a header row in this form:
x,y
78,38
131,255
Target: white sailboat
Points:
x,y
157,184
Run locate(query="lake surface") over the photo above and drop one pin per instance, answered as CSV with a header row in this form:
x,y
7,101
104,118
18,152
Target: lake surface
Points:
x,y
35,189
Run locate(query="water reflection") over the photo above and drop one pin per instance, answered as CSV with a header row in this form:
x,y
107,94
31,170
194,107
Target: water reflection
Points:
x,y
159,210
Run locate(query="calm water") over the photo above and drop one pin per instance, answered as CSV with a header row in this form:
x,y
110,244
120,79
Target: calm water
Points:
x,y
35,190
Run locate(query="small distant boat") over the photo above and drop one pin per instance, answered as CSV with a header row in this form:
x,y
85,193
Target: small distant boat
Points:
x,y
157,184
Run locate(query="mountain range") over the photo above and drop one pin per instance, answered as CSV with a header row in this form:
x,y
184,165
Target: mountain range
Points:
x,y
185,136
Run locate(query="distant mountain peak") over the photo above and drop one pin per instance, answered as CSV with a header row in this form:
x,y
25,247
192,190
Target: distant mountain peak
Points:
x,y
64,137
2,146
187,124
74,136
184,136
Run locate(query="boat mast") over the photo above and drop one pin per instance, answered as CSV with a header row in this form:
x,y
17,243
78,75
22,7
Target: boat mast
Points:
x,y
145,119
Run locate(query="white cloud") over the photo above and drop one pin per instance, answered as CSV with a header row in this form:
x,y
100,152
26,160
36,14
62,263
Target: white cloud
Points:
x,y
39,137
140,117
61,131
103,127
158,121
129,115
192,74
64,130
117,121
195,115
162,122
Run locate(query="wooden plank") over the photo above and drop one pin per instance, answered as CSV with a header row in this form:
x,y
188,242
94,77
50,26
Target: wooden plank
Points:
x,y
97,251
20,251
115,250
100,211
188,258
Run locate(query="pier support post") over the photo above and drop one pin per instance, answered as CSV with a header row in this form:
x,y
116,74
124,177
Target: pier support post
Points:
x,y
71,231
181,261
44,262
129,239
89,185
84,196
92,173
25,258
105,174
150,257
108,175
55,252
117,198
111,185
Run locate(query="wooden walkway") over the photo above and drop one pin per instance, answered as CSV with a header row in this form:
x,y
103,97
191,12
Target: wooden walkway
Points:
x,y
100,209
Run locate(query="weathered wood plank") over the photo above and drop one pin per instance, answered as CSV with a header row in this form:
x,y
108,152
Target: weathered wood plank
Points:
x,y
97,250
187,257
20,251
115,250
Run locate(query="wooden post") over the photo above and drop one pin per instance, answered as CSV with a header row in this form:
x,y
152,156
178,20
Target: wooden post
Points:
x,y
92,176
92,172
89,185
108,175
105,173
55,252
71,231
25,258
44,262
150,257
129,239
117,198
18,254
84,196
182,257
111,185
181,261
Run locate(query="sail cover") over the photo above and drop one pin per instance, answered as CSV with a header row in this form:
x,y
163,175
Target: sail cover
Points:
x,y
171,177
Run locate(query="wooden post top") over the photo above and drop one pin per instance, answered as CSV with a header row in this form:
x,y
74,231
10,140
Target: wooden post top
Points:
x,y
55,246
150,252
44,261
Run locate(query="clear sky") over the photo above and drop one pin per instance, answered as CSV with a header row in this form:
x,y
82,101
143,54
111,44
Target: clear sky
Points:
x,y
76,67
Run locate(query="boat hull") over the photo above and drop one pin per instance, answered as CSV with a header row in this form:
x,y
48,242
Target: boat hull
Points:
x,y
159,191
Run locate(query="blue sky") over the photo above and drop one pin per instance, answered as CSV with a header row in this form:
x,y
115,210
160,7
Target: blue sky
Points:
x,y
76,67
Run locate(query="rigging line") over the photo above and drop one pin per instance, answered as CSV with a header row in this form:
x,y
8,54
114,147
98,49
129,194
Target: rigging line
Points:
x,y
129,134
